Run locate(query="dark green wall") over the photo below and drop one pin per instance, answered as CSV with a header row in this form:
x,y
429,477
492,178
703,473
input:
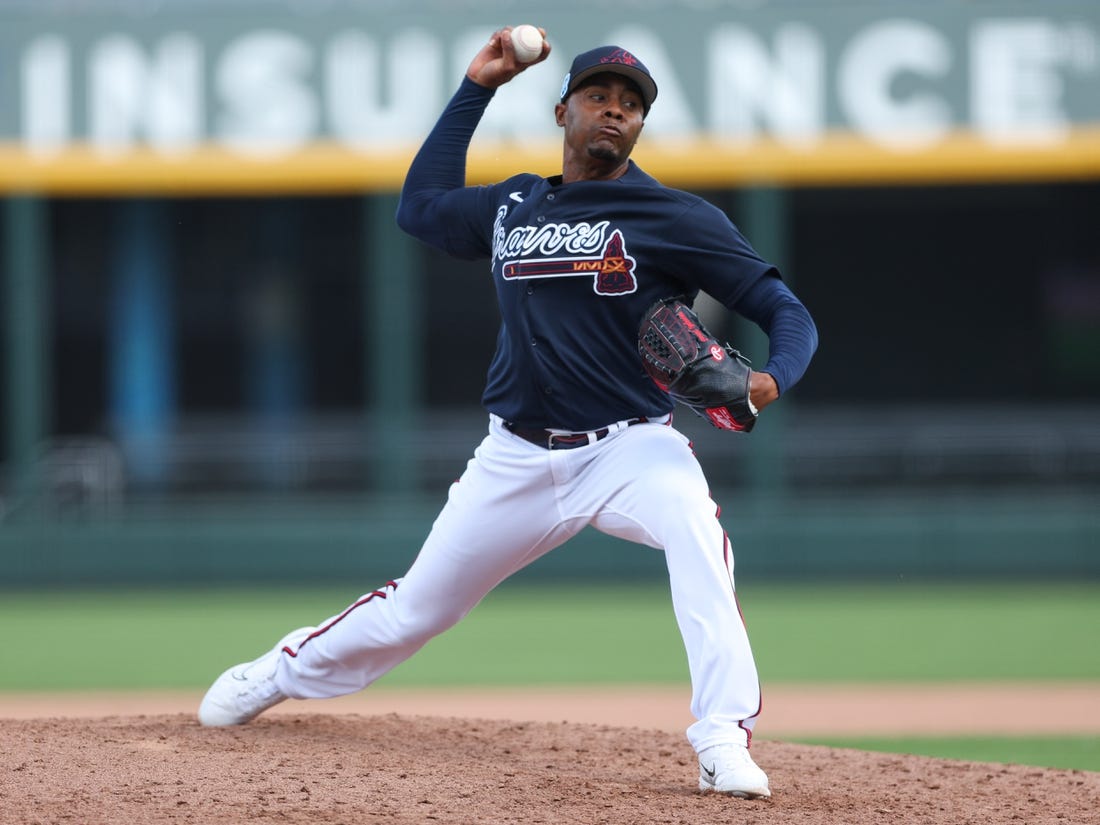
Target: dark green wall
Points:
x,y
373,540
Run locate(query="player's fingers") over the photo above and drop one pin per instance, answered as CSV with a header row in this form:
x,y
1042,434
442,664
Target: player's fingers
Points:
x,y
495,43
507,48
483,69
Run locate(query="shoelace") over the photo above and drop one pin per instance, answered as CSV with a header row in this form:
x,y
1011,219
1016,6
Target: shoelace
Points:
x,y
731,752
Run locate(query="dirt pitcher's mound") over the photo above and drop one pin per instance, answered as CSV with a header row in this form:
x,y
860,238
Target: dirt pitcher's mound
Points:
x,y
314,768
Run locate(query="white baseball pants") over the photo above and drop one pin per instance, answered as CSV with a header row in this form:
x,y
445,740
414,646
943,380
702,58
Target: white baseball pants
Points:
x,y
517,501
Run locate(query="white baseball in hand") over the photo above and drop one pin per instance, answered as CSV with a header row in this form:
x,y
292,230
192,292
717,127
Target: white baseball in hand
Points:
x,y
527,43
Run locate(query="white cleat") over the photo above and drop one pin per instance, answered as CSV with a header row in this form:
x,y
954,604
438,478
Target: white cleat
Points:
x,y
730,770
246,690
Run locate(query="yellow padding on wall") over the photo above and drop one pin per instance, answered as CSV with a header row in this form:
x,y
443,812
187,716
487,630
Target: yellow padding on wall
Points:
x,y
325,167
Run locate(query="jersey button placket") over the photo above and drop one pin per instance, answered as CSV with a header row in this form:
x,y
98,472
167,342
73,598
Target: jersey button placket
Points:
x,y
542,218
547,390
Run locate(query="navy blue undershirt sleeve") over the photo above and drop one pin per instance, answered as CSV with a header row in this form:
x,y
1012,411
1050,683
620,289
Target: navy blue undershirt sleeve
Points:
x,y
436,206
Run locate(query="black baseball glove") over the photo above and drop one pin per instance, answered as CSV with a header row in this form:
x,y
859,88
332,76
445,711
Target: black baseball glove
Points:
x,y
694,368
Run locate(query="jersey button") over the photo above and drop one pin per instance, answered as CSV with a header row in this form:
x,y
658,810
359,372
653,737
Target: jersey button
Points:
x,y
534,342
542,219
548,390
550,197
530,290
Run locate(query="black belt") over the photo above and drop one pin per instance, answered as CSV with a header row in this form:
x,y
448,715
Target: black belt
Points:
x,y
550,440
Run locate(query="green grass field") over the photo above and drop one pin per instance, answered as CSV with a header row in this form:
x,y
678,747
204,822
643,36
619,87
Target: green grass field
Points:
x,y
564,634
1070,752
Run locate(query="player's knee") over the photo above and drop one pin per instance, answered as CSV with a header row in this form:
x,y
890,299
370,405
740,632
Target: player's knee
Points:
x,y
422,624
683,514
680,496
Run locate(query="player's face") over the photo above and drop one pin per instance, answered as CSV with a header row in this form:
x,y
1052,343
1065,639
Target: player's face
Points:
x,y
602,119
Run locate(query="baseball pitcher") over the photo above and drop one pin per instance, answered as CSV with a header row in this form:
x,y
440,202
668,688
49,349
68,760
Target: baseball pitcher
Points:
x,y
595,271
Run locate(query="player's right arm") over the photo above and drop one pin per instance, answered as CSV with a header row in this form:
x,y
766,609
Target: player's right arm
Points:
x,y
436,206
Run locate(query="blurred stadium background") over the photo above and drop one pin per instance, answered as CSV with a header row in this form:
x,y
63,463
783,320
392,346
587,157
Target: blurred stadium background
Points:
x,y
222,362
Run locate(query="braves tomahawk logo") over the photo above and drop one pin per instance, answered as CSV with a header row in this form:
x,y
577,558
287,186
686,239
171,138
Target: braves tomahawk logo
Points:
x,y
568,251
620,56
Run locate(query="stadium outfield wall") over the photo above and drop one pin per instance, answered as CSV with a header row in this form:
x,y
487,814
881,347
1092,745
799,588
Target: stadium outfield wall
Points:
x,y
115,98
265,97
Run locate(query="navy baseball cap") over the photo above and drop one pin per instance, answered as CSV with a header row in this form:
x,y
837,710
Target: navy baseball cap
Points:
x,y
610,59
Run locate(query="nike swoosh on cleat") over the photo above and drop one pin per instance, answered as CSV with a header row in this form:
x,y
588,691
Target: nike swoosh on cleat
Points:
x,y
710,772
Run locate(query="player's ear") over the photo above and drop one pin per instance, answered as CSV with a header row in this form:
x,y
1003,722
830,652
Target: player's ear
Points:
x,y
559,114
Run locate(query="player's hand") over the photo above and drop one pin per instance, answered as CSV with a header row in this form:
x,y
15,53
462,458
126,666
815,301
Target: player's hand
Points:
x,y
496,63
762,389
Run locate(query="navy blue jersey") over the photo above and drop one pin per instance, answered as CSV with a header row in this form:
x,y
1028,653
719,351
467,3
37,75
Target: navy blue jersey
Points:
x,y
576,266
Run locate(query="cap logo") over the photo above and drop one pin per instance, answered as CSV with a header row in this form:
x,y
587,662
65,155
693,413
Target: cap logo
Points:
x,y
565,85
620,56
